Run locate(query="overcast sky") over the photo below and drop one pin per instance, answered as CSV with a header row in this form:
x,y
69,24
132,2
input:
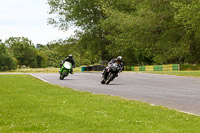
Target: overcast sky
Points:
x,y
28,18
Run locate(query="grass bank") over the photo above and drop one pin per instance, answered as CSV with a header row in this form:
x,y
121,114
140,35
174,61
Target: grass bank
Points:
x,y
177,73
30,105
40,70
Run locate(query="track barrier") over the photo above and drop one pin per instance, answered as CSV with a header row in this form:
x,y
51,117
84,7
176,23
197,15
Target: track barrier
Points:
x,y
92,68
169,67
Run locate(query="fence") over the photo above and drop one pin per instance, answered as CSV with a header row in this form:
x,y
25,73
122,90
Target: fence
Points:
x,y
170,67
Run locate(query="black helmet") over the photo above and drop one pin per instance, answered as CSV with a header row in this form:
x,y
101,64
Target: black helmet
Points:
x,y
119,59
70,56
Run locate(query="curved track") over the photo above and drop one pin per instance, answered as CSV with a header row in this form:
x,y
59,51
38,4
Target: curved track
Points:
x,y
181,93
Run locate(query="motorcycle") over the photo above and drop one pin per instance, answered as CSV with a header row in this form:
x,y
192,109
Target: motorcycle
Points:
x,y
65,69
110,73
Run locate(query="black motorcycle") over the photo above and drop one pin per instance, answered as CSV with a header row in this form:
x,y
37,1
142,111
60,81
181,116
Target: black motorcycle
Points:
x,y
110,73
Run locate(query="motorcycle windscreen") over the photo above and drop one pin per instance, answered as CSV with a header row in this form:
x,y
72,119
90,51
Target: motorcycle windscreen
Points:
x,y
114,67
67,65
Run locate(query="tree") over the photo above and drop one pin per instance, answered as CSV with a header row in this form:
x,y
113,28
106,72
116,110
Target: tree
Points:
x,y
187,14
6,61
142,31
23,50
42,59
87,16
50,50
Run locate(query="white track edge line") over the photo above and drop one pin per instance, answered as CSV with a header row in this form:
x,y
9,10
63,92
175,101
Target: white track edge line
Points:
x,y
40,78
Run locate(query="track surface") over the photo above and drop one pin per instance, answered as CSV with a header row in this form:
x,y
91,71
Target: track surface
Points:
x,y
181,93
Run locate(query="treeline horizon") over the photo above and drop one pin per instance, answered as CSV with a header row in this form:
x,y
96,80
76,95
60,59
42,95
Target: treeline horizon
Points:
x,y
142,32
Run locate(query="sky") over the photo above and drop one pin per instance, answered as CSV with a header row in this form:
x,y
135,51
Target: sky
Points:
x,y
28,18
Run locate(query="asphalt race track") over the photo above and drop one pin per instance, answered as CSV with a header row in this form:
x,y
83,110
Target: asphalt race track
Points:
x,y
181,93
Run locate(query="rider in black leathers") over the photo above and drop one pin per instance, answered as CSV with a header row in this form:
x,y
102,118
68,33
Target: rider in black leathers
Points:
x,y
71,60
119,62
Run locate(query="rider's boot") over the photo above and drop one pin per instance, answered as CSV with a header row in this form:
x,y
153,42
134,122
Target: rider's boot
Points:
x,y
71,71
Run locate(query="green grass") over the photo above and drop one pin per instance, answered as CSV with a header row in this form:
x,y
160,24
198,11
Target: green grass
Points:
x,y
40,70
177,73
189,67
30,105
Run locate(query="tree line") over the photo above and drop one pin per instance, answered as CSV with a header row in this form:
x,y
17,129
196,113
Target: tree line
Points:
x,y
142,31
21,52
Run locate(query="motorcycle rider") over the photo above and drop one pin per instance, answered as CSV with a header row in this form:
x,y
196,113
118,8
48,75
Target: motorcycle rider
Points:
x,y
71,60
119,62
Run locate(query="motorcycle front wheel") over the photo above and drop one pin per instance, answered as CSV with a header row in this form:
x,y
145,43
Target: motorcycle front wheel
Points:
x,y
103,80
110,78
62,75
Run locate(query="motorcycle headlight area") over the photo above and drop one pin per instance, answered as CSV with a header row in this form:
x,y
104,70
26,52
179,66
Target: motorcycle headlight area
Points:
x,y
67,65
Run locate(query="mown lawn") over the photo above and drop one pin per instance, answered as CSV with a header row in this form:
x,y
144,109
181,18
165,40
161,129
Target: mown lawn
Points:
x,y
30,105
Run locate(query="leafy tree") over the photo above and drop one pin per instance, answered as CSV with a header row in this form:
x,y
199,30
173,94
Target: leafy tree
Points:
x,y
6,61
143,32
42,59
187,14
53,57
23,50
87,16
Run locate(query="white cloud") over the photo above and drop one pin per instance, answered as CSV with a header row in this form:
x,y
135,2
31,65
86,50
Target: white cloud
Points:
x,y
28,18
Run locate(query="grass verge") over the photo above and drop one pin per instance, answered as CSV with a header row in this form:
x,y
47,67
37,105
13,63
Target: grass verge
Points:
x,y
177,73
40,70
30,105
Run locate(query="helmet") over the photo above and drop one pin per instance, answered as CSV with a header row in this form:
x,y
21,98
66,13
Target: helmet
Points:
x,y
70,56
119,59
